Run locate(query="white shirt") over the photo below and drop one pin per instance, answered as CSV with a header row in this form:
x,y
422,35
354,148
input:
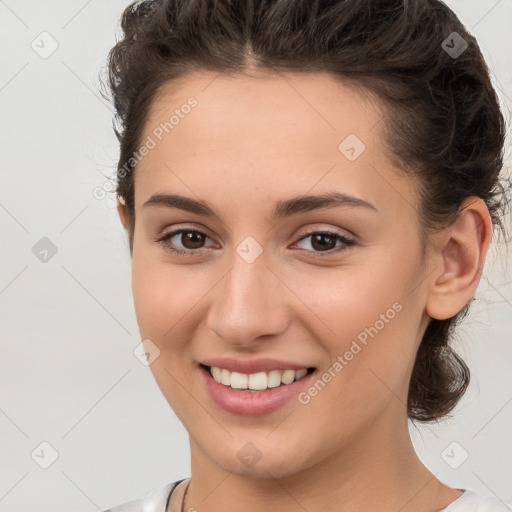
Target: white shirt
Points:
x,y
157,499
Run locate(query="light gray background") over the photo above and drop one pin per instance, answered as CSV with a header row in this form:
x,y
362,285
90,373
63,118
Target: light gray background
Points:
x,y
68,374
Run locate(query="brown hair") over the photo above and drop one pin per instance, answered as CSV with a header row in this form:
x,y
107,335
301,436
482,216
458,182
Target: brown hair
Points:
x,y
443,123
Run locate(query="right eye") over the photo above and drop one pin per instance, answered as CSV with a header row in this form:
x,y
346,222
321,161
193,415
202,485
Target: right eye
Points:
x,y
191,241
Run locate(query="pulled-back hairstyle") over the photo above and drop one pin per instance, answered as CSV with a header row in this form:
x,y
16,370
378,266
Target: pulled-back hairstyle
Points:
x,y
442,125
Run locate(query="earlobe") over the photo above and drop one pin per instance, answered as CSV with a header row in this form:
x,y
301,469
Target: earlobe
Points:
x,y
459,258
121,211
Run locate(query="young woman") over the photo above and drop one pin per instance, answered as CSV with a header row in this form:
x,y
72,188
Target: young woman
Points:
x,y
310,189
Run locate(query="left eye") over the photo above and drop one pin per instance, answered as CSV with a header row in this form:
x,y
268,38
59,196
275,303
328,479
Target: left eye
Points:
x,y
325,241
192,241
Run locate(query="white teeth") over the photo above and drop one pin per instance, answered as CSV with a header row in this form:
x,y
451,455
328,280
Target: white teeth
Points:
x,y
274,379
239,380
300,373
256,381
288,376
217,373
225,377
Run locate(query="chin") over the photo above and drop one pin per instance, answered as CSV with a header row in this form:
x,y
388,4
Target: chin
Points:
x,y
260,459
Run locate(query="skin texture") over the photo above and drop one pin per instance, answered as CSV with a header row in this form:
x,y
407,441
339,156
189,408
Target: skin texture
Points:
x,y
249,142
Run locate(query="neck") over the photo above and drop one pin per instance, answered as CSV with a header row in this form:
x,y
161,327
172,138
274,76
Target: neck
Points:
x,y
374,473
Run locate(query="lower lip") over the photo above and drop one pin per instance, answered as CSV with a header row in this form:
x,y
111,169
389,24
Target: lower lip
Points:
x,y
252,404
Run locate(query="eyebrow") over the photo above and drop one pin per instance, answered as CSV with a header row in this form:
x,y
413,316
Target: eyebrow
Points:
x,y
282,208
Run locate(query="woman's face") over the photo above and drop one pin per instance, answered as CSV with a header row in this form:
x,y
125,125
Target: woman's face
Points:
x,y
263,280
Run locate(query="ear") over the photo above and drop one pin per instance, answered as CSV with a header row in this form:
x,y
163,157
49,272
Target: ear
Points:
x,y
459,257
121,211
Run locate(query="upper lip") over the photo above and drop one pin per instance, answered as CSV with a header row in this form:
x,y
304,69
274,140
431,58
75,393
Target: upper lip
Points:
x,y
253,365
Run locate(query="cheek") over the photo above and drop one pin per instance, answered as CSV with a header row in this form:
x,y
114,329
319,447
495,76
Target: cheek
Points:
x,y
349,303
164,299
367,323
163,294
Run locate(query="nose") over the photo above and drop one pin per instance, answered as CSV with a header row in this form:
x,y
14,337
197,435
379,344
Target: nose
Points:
x,y
249,303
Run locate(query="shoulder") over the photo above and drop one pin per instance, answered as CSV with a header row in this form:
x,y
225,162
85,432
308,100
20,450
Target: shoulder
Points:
x,y
154,501
471,501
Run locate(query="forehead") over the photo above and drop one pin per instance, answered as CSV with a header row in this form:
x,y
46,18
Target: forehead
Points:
x,y
281,132
308,104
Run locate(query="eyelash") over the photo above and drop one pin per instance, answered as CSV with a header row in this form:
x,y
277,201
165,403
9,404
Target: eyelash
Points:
x,y
348,242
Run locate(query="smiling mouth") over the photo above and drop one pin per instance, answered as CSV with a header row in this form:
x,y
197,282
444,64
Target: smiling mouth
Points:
x,y
255,382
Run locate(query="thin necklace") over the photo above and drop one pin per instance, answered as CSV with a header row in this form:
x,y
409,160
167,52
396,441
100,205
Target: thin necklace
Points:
x,y
185,497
